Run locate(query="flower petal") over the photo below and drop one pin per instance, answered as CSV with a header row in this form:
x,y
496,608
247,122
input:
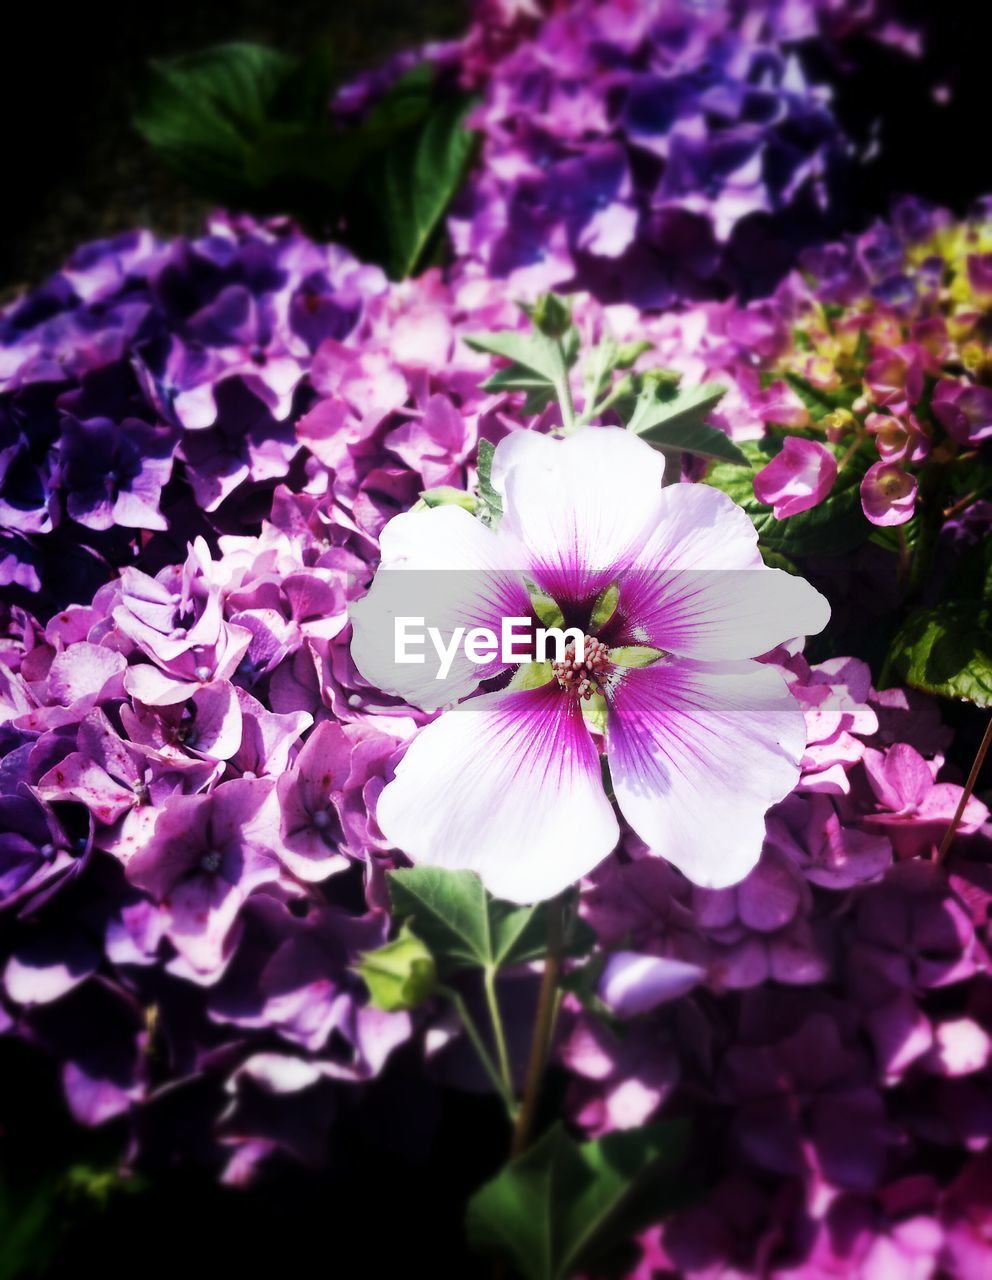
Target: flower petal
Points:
x,y
698,753
582,507
701,588
508,785
445,569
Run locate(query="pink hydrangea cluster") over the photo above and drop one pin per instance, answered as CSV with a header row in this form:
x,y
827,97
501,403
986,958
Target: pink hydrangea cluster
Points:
x,y
825,1024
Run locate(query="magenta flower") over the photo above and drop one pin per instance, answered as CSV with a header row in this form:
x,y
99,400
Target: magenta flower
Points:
x,y
964,410
797,478
888,494
898,439
914,810
895,375
701,740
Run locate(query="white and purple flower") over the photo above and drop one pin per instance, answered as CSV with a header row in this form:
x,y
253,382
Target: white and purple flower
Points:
x,y
701,740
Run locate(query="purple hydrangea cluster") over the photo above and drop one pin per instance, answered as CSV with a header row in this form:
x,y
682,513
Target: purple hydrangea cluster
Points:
x,y
650,153
190,761
826,1023
148,392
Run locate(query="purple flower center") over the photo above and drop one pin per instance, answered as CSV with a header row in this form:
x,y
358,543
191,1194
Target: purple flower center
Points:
x,y
583,679
211,861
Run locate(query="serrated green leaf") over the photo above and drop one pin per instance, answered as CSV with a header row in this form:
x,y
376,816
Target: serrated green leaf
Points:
x,y
673,418
698,438
532,352
419,178
466,927
836,526
947,650
490,502
463,926
817,401
558,1204
517,377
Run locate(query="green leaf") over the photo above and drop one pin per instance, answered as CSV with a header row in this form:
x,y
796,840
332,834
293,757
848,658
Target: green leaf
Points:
x,y
419,177
533,352
517,377
405,105
490,503
399,975
235,119
30,1222
817,401
465,927
673,418
561,1203
836,526
947,650
698,438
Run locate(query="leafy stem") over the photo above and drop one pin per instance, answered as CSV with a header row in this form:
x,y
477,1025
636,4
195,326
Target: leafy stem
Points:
x,y
563,391
499,1035
497,1078
544,1025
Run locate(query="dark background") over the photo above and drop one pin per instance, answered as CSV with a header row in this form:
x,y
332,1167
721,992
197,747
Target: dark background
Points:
x,y
74,169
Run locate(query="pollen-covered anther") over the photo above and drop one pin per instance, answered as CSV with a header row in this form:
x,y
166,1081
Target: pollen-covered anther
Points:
x,y
583,678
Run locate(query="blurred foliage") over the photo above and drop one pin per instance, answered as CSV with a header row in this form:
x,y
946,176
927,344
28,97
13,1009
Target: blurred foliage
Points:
x,y
252,128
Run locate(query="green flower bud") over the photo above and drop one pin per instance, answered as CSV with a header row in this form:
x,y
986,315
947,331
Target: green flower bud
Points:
x,y
400,975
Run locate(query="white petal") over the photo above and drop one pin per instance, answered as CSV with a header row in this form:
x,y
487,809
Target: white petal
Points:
x,y
448,570
698,754
581,507
508,785
701,588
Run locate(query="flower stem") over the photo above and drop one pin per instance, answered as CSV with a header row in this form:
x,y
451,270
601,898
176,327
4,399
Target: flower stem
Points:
x,y
499,1036
966,794
544,1025
567,405
849,452
481,1052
